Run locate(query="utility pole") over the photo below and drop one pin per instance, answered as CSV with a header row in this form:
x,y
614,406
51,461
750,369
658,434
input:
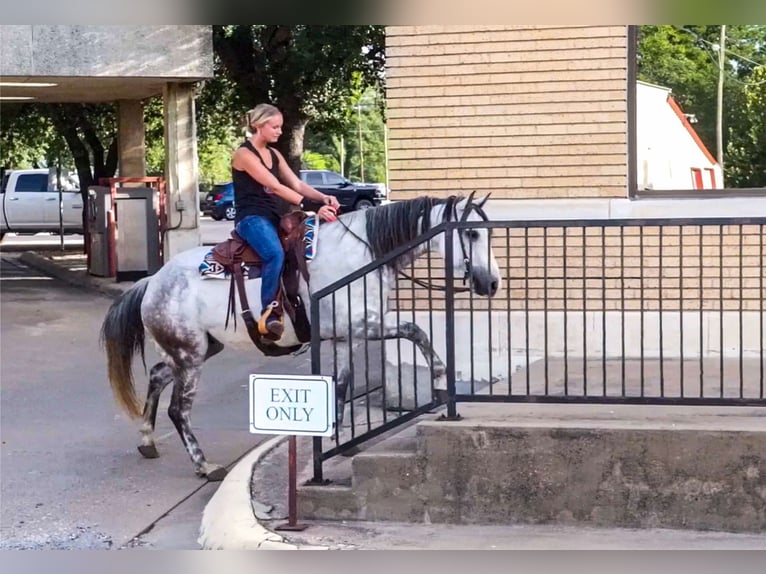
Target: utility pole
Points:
x,y
361,144
719,111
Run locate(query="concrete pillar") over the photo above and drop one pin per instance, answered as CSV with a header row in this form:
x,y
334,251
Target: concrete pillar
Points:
x,y
181,169
131,143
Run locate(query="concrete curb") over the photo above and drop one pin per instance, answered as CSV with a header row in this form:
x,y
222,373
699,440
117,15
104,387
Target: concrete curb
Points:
x,y
49,267
228,521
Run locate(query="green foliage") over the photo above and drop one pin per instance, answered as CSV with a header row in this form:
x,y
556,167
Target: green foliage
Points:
x,y
314,160
359,144
28,138
685,59
310,72
313,73
746,151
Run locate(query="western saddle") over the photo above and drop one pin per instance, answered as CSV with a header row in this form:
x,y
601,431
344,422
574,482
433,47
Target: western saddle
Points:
x,y
234,252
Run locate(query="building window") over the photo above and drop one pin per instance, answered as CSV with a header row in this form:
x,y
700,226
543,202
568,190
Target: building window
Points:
x,y
697,178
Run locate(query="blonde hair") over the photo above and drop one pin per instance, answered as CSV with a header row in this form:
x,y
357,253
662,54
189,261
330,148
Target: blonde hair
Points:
x,y
260,114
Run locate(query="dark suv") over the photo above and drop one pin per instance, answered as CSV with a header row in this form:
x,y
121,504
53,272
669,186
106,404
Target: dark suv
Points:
x,y
219,203
350,195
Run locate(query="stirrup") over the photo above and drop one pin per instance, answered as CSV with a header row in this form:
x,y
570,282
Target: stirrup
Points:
x,y
271,329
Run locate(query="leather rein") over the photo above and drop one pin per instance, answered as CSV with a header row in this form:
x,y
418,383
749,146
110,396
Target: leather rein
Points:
x,y
451,213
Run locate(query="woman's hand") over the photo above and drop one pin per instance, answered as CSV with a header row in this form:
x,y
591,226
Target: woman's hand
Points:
x,y
332,201
327,213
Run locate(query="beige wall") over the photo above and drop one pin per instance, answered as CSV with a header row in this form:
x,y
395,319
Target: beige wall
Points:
x,y
522,111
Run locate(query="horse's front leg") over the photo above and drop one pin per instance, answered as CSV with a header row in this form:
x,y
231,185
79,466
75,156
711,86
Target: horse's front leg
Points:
x,y
184,390
344,378
394,329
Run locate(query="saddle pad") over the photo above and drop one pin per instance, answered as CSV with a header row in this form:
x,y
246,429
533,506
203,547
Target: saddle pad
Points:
x,y
212,269
310,237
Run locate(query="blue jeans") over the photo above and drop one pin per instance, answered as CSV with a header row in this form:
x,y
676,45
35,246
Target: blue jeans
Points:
x,y
262,236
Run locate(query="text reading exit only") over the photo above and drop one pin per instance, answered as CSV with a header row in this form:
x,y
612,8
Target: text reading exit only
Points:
x,y
288,399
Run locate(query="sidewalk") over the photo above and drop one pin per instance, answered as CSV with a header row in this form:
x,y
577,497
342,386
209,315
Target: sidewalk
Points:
x,y
72,268
252,501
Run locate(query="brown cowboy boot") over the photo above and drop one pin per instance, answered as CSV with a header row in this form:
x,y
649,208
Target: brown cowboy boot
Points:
x,y
271,325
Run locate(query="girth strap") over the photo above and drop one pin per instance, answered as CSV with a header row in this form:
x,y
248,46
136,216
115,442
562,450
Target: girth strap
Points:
x,y
238,280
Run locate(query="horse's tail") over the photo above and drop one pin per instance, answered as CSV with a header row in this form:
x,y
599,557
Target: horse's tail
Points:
x,y
122,334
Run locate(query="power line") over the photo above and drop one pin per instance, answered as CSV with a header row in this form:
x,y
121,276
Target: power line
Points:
x,y
715,61
727,51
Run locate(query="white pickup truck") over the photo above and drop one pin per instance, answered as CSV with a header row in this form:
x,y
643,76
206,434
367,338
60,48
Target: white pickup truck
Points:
x,y
30,202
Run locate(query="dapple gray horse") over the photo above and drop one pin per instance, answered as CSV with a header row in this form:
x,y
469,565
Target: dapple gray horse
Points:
x,y
185,314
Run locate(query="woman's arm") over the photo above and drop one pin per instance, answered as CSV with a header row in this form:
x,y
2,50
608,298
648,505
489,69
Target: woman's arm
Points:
x,y
288,176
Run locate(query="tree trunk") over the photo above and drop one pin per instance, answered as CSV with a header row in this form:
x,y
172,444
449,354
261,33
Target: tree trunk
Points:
x,y
291,142
88,151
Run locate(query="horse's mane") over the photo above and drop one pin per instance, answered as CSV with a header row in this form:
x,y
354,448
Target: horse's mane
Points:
x,y
393,224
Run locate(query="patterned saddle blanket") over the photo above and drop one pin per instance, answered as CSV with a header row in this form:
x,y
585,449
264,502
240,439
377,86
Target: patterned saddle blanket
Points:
x,y
210,268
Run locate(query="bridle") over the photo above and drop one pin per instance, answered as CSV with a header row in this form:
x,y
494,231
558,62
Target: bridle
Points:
x,y
450,211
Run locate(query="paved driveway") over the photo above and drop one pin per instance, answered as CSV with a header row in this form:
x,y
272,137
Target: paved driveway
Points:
x,y
71,475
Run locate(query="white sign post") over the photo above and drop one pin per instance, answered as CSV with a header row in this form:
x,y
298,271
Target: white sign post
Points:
x,y
292,405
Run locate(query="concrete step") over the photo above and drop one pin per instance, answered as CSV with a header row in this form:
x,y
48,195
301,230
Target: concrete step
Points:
x,y
701,468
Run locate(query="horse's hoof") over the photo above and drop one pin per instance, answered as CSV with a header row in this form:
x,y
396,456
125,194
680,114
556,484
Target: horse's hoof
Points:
x,y
217,474
148,451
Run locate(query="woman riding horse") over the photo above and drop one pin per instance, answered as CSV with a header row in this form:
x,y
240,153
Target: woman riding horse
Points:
x,y
258,172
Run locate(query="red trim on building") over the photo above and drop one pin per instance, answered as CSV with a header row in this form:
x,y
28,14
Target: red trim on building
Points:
x,y
677,109
697,178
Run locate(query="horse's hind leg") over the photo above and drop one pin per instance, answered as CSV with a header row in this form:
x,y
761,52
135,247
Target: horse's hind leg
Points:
x,y
184,390
159,377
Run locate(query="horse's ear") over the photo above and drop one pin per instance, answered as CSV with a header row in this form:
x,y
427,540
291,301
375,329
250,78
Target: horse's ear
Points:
x,y
469,199
483,200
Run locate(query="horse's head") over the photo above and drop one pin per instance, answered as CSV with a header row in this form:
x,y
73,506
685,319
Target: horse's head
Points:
x,y
473,258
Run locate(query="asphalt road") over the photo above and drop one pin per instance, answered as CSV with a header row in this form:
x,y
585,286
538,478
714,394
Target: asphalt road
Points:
x,y
71,476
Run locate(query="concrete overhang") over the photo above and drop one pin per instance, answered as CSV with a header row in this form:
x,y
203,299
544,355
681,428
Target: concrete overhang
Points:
x,y
84,90
100,63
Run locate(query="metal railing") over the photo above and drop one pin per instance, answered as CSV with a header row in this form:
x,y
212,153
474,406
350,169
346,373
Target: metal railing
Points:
x,y
654,311
377,398
657,311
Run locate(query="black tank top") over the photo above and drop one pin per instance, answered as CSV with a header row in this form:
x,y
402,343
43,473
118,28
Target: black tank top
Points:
x,y
251,197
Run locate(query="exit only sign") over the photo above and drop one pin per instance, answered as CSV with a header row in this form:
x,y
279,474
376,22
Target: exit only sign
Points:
x,y
292,404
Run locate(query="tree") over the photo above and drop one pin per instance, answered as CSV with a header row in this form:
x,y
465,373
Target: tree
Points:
x,y
308,72
28,139
90,132
746,151
359,144
685,59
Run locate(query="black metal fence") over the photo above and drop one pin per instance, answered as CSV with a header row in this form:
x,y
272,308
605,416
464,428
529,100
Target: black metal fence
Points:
x,y
657,311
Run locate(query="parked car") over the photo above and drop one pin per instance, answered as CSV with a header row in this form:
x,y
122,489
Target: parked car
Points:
x,y
29,202
350,195
219,203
